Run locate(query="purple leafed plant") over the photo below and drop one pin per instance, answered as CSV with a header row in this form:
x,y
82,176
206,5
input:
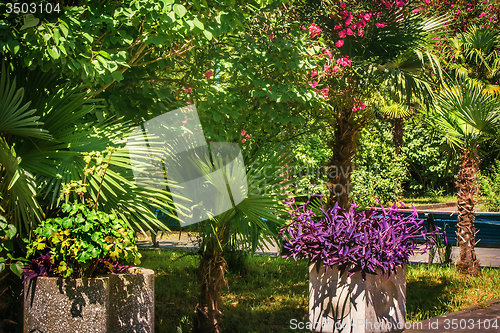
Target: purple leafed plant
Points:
x,y
357,241
42,266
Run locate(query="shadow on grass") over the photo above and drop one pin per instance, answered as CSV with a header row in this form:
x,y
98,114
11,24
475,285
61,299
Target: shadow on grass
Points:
x,y
428,296
176,287
266,296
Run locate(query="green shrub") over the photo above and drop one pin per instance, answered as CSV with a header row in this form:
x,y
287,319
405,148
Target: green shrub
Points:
x,y
81,243
379,171
311,153
431,170
489,188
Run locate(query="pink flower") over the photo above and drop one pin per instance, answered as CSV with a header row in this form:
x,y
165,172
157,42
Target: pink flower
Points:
x,y
325,93
329,54
326,68
335,69
243,141
380,24
360,33
271,36
401,3
481,15
348,20
458,11
313,84
337,27
362,106
354,109
362,24
314,30
416,10
339,43
367,16
349,31
345,61
152,80
243,132
208,74
342,34
342,5
185,121
314,73
188,102
247,136
427,1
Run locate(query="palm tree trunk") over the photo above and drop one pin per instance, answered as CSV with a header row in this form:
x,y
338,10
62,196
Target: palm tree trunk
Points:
x,y
212,271
340,168
397,133
466,232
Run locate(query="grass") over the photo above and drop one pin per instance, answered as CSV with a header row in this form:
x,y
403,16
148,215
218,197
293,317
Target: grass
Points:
x,y
480,202
268,292
429,200
435,290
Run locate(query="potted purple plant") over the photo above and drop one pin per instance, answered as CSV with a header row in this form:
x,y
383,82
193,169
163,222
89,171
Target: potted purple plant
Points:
x,y
357,265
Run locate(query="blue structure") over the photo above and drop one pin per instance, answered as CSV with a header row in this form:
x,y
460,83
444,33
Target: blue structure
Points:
x,y
488,225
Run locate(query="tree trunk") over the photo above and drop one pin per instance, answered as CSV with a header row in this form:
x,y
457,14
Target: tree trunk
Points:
x,y
466,232
397,133
212,271
340,168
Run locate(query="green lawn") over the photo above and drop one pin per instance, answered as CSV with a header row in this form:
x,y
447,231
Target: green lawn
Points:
x,y
429,200
269,292
480,202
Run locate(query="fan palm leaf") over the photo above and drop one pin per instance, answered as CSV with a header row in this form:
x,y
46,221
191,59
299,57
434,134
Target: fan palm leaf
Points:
x,y
466,115
17,190
17,186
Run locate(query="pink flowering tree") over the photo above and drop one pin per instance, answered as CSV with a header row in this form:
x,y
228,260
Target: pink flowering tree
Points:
x,y
361,48
472,48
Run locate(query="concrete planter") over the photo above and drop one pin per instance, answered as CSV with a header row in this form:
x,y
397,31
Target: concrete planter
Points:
x,y
116,303
351,304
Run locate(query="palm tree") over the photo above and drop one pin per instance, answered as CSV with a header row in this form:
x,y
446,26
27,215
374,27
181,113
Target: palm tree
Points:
x,y
475,55
251,224
467,115
397,112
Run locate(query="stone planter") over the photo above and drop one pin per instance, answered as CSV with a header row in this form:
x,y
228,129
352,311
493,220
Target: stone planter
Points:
x,y
113,303
351,304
